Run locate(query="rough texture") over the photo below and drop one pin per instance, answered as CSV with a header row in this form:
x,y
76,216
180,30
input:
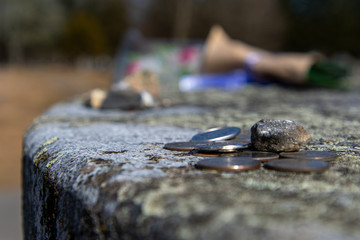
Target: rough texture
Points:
x,y
278,136
91,174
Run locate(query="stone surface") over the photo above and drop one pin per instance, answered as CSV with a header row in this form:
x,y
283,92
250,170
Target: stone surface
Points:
x,y
92,174
278,136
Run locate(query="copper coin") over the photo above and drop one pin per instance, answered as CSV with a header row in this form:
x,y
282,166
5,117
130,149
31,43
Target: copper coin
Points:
x,y
216,134
222,146
316,155
182,146
297,165
259,156
228,164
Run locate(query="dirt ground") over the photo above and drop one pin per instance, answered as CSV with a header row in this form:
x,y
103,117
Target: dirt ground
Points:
x,y
26,92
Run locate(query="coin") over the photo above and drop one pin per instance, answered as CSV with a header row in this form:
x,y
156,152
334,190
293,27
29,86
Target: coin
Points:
x,y
222,146
297,165
316,155
217,134
242,138
182,146
228,164
259,156
196,152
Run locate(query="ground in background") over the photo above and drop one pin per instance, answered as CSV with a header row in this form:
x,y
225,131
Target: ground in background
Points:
x,y
25,92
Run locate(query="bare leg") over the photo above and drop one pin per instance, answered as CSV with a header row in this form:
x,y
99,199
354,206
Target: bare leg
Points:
x,y
223,54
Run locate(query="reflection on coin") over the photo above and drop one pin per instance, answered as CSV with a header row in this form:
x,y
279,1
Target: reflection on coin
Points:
x,y
316,155
182,146
228,164
222,146
219,134
297,165
259,156
212,129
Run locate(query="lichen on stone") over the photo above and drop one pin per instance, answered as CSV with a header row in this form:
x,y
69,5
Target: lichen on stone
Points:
x,y
53,161
41,156
49,141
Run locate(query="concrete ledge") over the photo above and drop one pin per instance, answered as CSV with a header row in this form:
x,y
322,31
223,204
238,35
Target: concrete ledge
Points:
x,y
91,174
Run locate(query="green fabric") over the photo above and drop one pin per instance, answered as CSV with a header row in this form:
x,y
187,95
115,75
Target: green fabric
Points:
x,y
327,74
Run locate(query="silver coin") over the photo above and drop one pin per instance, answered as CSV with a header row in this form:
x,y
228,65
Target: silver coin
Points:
x,y
212,129
183,146
222,146
315,155
217,134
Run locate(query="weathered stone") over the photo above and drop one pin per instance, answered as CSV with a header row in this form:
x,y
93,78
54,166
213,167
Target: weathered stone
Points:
x,y
278,136
103,174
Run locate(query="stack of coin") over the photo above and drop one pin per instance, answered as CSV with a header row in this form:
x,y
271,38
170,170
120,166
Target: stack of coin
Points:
x,y
231,151
182,146
228,164
259,156
216,134
222,147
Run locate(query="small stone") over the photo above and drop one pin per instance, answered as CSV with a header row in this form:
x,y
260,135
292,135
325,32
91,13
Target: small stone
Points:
x,y
278,136
122,99
97,97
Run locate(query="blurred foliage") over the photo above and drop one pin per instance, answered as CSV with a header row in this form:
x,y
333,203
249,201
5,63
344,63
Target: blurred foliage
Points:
x,y
83,35
326,25
70,28
22,25
87,28
247,20
330,26
93,28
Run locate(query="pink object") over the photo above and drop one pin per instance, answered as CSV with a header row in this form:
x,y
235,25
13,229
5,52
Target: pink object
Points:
x,y
132,67
186,54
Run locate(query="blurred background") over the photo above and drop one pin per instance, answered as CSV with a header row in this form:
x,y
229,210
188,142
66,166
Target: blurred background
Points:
x,y
53,50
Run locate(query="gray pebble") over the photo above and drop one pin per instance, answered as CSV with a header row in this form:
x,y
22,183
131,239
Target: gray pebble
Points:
x,y
278,136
